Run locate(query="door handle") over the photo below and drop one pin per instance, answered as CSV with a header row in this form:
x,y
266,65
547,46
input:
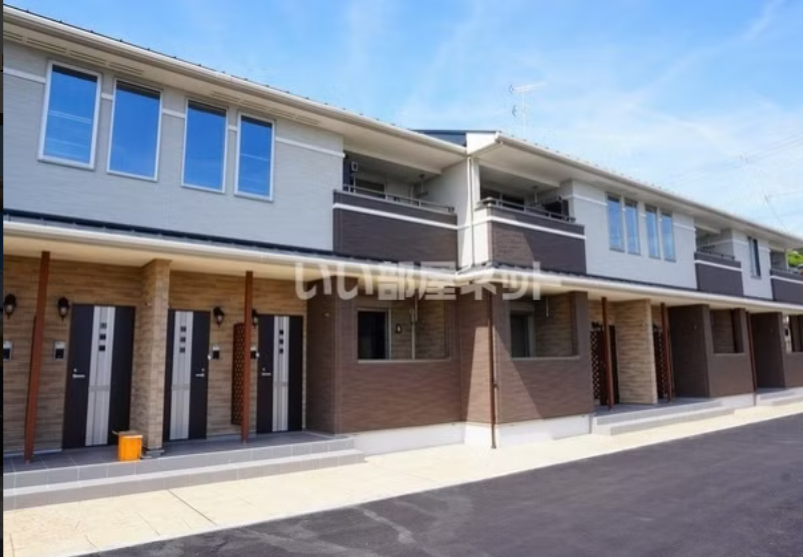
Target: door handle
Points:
x,y
267,374
200,375
79,376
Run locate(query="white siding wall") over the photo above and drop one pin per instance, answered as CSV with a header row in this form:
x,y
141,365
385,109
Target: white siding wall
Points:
x,y
588,206
300,214
758,287
452,188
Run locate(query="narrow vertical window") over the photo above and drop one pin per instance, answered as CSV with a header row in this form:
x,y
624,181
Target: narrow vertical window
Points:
x,y
255,157
71,115
755,260
135,130
522,335
668,236
653,236
615,228
631,224
372,335
205,146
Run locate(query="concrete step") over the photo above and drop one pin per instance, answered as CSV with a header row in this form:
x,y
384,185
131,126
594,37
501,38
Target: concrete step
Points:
x,y
652,412
71,491
640,423
780,401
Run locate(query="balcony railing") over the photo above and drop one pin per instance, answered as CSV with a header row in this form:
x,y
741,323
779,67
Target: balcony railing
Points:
x,y
531,209
400,199
787,273
725,256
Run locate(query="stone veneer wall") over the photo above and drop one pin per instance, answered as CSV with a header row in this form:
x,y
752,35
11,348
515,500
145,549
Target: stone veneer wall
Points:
x,y
554,327
635,352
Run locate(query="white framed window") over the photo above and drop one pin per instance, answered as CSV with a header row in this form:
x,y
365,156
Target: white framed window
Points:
x,y
616,229
755,257
135,131
632,227
668,235
70,116
254,175
205,133
653,234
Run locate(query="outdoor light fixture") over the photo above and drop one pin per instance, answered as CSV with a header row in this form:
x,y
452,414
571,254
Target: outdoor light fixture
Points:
x,y
254,317
219,315
63,306
9,304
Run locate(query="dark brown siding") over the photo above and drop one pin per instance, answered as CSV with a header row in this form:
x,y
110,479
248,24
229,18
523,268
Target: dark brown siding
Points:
x,y
768,342
785,291
322,322
474,358
717,280
540,388
521,247
377,237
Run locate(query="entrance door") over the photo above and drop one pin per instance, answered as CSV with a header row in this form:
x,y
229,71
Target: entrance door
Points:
x,y
98,395
280,373
186,375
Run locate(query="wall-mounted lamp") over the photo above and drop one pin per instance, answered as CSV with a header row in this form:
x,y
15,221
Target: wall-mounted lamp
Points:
x,y
218,313
9,304
254,317
399,329
63,305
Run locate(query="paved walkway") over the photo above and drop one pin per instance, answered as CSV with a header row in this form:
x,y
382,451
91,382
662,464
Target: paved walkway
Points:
x,y
90,526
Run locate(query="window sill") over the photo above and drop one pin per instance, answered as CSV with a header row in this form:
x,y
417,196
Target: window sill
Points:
x,y
755,277
547,358
387,362
617,250
728,354
254,197
203,189
152,179
68,163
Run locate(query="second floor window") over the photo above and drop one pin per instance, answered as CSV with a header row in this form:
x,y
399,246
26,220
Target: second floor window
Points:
x,y
205,146
631,225
755,260
653,236
135,131
616,232
668,235
71,116
255,157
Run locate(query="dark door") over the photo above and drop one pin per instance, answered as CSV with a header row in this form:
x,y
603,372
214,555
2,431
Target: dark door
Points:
x,y
280,373
98,393
186,375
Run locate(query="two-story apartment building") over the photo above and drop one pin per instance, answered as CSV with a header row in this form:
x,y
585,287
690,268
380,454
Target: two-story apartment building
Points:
x,y
174,240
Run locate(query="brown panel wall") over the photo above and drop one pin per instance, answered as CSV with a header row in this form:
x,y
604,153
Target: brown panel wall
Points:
x,y
522,247
202,292
690,335
81,283
789,292
475,358
768,343
720,281
540,388
731,374
324,320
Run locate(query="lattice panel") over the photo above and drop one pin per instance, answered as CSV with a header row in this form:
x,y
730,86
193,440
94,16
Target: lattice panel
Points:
x,y
660,362
598,362
238,375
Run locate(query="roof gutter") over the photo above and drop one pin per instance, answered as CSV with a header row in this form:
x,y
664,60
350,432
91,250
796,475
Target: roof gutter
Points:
x,y
43,24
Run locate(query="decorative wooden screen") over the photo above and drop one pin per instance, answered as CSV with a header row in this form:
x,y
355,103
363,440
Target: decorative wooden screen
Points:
x,y
598,362
237,375
660,362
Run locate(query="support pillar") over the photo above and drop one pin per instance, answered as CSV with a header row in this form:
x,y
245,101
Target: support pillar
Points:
x,y
606,343
150,347
245,423
36,357
635,353
670,378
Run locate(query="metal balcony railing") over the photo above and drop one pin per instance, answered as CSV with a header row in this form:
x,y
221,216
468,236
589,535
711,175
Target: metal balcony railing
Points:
x,y
725,256
400,199
529,209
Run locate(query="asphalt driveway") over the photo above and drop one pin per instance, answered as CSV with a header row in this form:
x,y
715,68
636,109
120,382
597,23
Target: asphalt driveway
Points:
x,y
734,493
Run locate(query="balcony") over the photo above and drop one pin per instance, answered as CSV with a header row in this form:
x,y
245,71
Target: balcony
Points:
x,y
787,286
520,236
376,225
718,273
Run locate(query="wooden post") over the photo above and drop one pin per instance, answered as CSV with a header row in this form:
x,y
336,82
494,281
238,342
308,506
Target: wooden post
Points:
x,y
245,423
36,357
752,349
606,343
670,382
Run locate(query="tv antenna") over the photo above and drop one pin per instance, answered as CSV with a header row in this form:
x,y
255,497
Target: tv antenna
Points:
x,y
521,106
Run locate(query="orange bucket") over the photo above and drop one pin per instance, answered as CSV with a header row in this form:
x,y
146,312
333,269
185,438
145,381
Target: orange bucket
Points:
x,y
129,447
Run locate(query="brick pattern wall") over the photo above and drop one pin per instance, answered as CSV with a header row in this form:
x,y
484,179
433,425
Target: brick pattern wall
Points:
x,y
531,389
202,292
150,338
81,283
474,353
554,327
521,247
635,354
324,315
433,330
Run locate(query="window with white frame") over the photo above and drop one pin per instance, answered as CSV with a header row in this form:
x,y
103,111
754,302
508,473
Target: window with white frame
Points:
x,y
668,235
134,145
755,258
631,227
205,146
71,114
255,157
616,230
653,235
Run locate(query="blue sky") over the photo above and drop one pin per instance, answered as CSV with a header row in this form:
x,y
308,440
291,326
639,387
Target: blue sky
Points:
x,y
701,97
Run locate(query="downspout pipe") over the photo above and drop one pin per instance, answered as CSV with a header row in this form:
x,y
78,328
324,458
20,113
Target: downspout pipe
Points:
x,y
492,369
